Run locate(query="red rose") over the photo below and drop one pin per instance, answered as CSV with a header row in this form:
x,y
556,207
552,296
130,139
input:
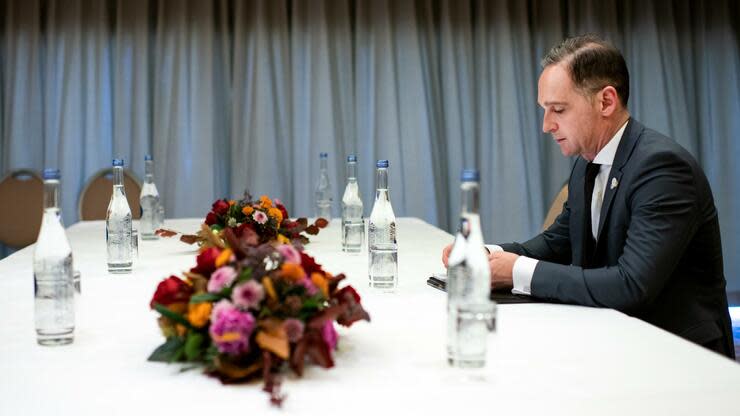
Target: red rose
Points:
x,y
220,207
288,224
211,218
282,209
309,264
348,291
206,261
241,228
171,290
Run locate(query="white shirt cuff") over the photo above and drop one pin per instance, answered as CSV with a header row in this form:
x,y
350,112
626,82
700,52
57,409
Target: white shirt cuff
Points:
x,y
522,275
494,247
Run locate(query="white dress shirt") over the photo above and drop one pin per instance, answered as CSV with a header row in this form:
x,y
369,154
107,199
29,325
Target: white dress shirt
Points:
x,y
524,266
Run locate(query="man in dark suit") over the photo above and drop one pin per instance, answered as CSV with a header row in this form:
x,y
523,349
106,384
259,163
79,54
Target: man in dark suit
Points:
x,y
639,232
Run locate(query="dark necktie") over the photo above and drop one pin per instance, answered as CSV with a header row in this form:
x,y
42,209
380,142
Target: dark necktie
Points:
x,y
589,243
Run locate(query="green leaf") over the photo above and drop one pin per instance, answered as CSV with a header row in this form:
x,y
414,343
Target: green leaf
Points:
x,y
167,313
311,306
178,355
225,293
264,313
190,367
167,351
193,346
211,353
245,275
313,302
206,297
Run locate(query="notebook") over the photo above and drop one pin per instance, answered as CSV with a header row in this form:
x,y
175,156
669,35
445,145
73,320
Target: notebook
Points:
x,y
503,296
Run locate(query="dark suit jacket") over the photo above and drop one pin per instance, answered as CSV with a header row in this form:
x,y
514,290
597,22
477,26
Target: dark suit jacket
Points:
x,y
658,250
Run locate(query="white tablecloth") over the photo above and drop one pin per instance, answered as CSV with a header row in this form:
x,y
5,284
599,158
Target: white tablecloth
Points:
x,y
544,359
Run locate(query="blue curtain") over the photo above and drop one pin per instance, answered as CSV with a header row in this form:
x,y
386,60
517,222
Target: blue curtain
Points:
x,y
235,95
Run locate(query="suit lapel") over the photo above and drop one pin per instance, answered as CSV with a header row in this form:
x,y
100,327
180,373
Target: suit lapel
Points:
x,y
579,206
624,151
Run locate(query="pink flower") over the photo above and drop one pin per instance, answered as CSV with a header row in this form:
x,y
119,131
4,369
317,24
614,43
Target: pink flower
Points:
x,y
219,308
329,334
221,278
294,329
248,295
260,217
311,288
289,253
231,328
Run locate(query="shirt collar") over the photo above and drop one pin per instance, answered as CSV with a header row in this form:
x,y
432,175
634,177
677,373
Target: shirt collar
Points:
x,y
607,153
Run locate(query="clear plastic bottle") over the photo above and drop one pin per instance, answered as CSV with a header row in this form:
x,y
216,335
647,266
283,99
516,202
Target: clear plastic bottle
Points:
x,y
468,279
323,189
118,225
381,239
53,272
353,226
149,200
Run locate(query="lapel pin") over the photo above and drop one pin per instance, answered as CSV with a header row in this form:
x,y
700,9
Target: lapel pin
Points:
x,y
614,184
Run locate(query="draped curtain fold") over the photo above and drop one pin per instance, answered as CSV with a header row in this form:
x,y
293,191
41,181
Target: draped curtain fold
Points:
x,y
242,95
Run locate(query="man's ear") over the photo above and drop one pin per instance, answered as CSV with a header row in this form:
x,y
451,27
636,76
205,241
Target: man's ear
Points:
x,y
608,101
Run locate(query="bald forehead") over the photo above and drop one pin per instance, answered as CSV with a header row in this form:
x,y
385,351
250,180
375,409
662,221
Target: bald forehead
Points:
x,y
555,85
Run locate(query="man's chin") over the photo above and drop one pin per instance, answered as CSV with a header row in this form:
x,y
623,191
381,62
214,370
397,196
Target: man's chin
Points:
x,y
565,151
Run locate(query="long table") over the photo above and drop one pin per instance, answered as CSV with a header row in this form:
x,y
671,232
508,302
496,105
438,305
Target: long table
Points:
x,y
543,358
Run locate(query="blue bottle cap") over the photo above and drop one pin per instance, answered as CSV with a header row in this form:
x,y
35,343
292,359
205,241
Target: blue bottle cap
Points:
x,y
470,175
323,155
148,157
351,158
382,163
117,162
52,174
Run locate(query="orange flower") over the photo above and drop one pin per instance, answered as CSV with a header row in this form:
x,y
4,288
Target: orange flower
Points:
x,y
265,202
232,202
320,281
224,257
292,272
181,330
269,288
199,313
275,213
227,337
248,210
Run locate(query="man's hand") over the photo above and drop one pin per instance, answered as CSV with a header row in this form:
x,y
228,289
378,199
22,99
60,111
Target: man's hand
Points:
x,y
502,269
446,254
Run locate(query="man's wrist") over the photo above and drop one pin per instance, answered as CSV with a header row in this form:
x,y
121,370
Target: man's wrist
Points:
x,y
493,248
522,275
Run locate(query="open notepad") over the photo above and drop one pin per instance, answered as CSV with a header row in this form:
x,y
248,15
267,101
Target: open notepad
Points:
x,y
439,281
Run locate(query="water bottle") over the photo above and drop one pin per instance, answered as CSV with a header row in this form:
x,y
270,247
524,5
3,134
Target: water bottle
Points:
x,y
53,272
150,217
118,225
381,239
456,271
468,283
323,189
353,227
160,214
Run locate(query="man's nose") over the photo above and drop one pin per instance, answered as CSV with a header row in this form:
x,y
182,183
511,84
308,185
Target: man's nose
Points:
x,y
548,126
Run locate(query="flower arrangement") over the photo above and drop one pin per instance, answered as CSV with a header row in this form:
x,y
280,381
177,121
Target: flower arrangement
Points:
x,y
248,311
256,222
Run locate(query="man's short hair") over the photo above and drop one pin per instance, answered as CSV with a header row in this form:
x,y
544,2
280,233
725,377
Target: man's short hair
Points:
x,y
593,64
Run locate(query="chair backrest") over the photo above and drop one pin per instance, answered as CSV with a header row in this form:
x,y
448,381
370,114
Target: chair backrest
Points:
x,y
21,207
556,208
93,203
